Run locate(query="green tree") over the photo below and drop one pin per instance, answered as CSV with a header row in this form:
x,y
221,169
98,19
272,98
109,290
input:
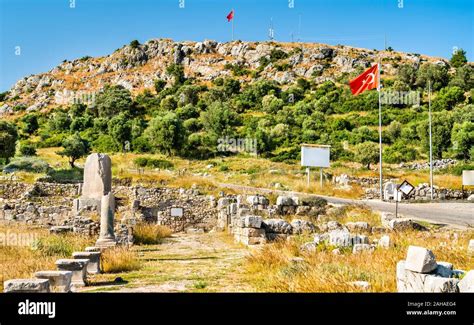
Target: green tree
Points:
x,y
394,130
8,138
458,59
407,75
59,122
112,100
367,153
74,147
159,85
120,128
177,72
27,149
437,74
30,123
134,44
165,133
441,133
462,138
464,78
447,98
218,120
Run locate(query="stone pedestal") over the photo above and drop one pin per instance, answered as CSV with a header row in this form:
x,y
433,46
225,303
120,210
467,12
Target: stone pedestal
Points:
x,y
60,281
78,267
107,237
93,267
26,285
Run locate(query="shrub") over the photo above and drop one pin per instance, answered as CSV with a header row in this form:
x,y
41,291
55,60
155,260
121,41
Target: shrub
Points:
x,y
150,234
134,44
152,163
27,164
8,138
54,140
60,245
105,143
119,259
71,175
27,149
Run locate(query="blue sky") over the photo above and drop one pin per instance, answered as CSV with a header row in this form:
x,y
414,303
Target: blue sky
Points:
x,y
49,31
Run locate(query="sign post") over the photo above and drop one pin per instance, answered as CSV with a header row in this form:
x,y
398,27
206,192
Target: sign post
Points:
x,y
405,188
467,179
314,155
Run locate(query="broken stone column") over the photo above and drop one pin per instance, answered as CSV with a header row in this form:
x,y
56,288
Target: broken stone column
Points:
x,y
107,207
78,267
26,285
93,267
60,281
97,182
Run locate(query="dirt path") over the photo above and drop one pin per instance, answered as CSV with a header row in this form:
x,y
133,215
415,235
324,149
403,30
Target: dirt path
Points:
x,y
186,262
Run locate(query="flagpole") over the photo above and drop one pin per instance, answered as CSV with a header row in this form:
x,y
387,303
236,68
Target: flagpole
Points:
x,y
233,18
431,144
380,135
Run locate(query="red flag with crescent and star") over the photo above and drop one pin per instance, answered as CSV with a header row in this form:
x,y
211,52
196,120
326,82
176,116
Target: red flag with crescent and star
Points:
x,y
230,16
366,81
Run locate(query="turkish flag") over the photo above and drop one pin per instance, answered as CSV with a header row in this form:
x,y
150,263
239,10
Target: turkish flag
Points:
x,y
230,16
366,81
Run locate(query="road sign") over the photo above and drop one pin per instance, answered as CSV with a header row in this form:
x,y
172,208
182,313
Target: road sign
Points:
x,y
406,188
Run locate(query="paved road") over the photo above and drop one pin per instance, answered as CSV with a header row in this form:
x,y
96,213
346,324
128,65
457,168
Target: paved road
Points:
x,y
455,214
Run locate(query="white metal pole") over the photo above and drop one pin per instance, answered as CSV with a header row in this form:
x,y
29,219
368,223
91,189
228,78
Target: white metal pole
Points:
x,y
431,143
307,175
380,135
233,18
321,177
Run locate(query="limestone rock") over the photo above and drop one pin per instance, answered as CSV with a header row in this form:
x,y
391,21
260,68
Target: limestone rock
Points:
x,y
358,226
252,221
26,285
358,248
278,226
440,284
470,247
420,259
285,200
302,226
467,282
340,237
385,218
384,241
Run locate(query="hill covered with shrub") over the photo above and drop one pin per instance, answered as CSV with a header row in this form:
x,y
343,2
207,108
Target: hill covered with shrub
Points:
x,y
183,98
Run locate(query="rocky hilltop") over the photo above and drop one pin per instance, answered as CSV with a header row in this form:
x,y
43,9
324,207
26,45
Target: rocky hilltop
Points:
x,y
137,66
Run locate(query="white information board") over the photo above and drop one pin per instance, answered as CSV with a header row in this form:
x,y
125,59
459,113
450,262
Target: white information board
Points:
x,y
315,155
176,212
468,177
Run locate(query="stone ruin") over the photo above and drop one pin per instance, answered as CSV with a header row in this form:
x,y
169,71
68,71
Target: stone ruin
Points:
x,y
97,183
420,272
254,221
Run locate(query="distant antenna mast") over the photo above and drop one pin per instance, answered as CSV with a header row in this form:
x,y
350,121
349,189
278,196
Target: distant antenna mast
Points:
x,y
271,31
299,27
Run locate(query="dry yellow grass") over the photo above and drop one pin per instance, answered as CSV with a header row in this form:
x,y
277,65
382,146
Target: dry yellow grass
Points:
x,y
119,259
271,269
24,251
150,234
